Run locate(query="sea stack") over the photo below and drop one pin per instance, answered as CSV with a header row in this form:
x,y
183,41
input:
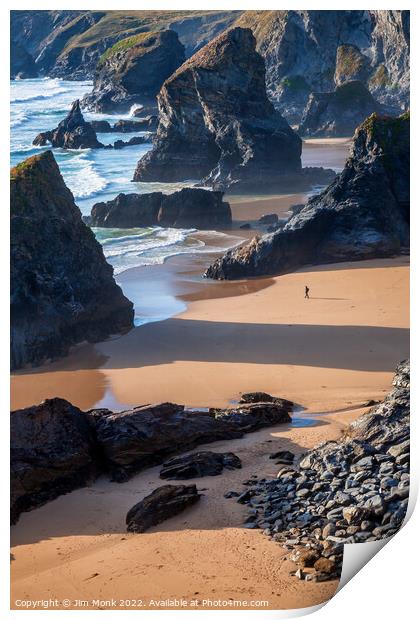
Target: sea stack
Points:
x,y
217,124
133,70
62,289
363,214
73,132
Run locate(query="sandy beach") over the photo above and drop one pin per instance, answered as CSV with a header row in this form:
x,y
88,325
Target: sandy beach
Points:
x,y
329,354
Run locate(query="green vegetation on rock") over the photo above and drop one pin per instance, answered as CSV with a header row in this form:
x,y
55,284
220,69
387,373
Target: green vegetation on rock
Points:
x,y
123,45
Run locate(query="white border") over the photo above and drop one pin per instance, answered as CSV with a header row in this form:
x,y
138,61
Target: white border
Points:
x,y
386,587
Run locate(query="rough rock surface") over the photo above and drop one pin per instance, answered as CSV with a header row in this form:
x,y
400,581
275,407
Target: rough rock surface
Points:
x,y
363,214
62,289
22,65
199,464
133,70
347,491
216,123
187,208
73,132
145,436
163,503
52,452
338,113
314,51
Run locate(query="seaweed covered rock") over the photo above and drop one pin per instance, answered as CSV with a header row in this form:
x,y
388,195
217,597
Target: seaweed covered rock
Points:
x,y
133,70
338,113
52,452
73,132
217,124
363,214
187,208
62,289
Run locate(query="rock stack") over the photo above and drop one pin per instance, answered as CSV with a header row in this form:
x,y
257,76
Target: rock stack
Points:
x,y
73,132
363,214
217,124
62,289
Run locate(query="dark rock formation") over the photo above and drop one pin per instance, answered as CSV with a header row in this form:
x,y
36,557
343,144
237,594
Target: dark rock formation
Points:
x,y
62,289
363,214
263,397
22,65
347,491
163,503
101,126
119,444
187,208
216,123
314,51
52,452
133,70
338,113
120,144
148,123
145,436
73,132
199,464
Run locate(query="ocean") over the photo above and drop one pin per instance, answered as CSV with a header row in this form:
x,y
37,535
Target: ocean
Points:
x,y
99,175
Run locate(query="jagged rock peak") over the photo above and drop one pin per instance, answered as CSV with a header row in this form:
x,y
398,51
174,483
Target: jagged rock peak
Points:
x,y
73,132
363,213
62,289
217,124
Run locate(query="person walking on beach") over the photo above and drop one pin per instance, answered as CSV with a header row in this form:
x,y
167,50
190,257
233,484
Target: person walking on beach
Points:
x,y
306,292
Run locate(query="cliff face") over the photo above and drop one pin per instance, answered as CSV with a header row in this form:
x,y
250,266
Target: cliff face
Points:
x,y
133,70
69,44
216,123
187,208
314,51
338,113
62,289
363,214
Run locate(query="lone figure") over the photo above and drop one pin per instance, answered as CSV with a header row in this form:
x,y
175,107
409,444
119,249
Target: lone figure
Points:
x,y
306,292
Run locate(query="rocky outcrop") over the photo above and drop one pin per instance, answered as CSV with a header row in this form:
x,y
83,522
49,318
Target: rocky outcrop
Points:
x,y
187,208
145,436
73,132
148,123
363,214
52,452
56,447
163,503
133,70
22,65
199,464
314,51
62,289
216,123
339,113
347,491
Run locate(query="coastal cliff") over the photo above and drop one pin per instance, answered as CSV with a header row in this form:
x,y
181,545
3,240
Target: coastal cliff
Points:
x,y
363,214
217,124
62,289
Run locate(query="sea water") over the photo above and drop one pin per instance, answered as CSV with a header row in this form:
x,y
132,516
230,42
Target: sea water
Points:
x,y
96,175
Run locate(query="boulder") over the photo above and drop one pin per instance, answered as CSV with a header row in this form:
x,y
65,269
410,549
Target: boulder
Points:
x,y
163,503
133,70
216,123
263,397
62,289
52,452
363,214
120,144
186,208
72,133
143,124
338,113
199,464
101,126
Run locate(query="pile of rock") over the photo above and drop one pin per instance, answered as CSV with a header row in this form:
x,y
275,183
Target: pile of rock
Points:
x,y
347,491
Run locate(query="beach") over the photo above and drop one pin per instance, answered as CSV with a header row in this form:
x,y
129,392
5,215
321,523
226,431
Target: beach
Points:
x,y
330,354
